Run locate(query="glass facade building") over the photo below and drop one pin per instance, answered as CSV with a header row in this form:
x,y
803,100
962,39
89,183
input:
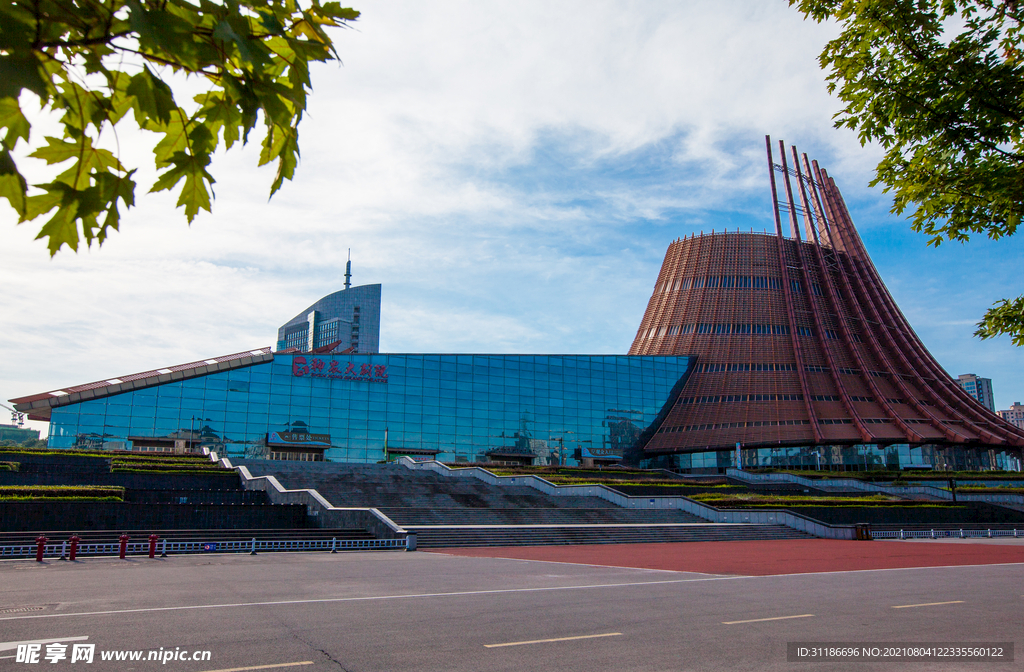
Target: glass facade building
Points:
x,y
858,457
349,318
352,406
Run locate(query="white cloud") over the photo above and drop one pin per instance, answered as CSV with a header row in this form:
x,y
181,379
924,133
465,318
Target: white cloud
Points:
x,y
510,172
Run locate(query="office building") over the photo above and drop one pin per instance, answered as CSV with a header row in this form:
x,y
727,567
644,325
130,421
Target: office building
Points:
x,y
979,388
345,321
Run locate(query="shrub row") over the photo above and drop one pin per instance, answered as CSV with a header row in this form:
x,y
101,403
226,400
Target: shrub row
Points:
x,y
884,475
9,466
8,492
569,480
62,451
4,498
147,464
993,490
108,454
731,500
612,474
182,470
835,504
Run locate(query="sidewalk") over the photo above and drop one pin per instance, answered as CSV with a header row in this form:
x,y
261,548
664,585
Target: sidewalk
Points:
x,y
763,558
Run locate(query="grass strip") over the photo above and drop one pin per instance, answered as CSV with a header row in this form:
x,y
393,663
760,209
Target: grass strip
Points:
x,y
169,471
724,499
4,498
899,476
58,491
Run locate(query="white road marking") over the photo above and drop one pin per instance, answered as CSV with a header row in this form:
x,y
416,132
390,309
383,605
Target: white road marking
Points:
x,y
371,598
486,592
263,667
760,620
555,639
566,562
927,604
10,646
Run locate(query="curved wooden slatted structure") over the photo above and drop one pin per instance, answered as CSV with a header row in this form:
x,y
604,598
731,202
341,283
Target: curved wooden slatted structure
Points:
x,y
798,341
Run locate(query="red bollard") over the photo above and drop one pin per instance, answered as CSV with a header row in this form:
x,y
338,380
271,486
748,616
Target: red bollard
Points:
x,y
40,547
74,539
124,545
152,545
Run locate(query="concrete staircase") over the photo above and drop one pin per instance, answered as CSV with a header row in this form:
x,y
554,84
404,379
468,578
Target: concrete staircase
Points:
x,y
391,486
415,517
459,512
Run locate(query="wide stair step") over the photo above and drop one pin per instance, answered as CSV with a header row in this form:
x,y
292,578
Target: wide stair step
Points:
x,y
526,516
394,486
454,537
453,511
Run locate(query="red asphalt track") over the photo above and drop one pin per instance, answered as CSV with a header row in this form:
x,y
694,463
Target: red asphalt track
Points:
x,y
762,558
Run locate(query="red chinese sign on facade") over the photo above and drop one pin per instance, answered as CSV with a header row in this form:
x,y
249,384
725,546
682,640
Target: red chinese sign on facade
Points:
x,y
321,368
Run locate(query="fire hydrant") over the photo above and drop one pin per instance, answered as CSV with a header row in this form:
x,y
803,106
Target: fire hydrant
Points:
x,y
73,540
152,545
40,547
124,545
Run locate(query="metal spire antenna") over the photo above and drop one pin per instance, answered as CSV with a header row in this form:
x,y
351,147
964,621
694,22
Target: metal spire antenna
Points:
x,y
348,270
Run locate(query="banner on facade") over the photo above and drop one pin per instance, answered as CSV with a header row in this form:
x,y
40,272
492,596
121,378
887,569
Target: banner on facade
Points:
x,y
298,438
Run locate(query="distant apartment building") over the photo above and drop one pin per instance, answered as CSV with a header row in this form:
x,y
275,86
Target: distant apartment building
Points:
x,y
979,388
1014,415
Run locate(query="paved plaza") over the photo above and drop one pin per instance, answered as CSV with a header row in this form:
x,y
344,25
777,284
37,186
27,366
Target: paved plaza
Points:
x,y
589,608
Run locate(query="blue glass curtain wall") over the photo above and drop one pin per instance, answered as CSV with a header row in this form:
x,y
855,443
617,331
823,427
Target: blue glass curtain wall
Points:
x,y
460,405
860,457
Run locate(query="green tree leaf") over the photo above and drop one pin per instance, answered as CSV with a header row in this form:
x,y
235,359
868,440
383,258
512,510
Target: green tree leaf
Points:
x,y
13,186
939,85
14,121
20,72
253,57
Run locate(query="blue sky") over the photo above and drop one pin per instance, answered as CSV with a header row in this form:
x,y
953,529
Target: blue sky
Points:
x,y
512,174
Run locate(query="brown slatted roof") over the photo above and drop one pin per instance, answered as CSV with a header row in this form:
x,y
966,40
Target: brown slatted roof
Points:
x,y
139,376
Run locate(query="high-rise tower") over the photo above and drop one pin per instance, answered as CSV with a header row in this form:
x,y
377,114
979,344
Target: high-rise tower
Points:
x,y
348,320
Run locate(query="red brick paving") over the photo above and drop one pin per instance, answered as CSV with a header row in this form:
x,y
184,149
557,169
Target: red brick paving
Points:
x,y
762,558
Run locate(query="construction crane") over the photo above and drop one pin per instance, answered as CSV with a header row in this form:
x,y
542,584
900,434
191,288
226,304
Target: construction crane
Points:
x,y
17,417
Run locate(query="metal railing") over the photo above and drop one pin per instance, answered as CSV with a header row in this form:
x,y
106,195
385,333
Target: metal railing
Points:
x,y
317,507
945,534
165,547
